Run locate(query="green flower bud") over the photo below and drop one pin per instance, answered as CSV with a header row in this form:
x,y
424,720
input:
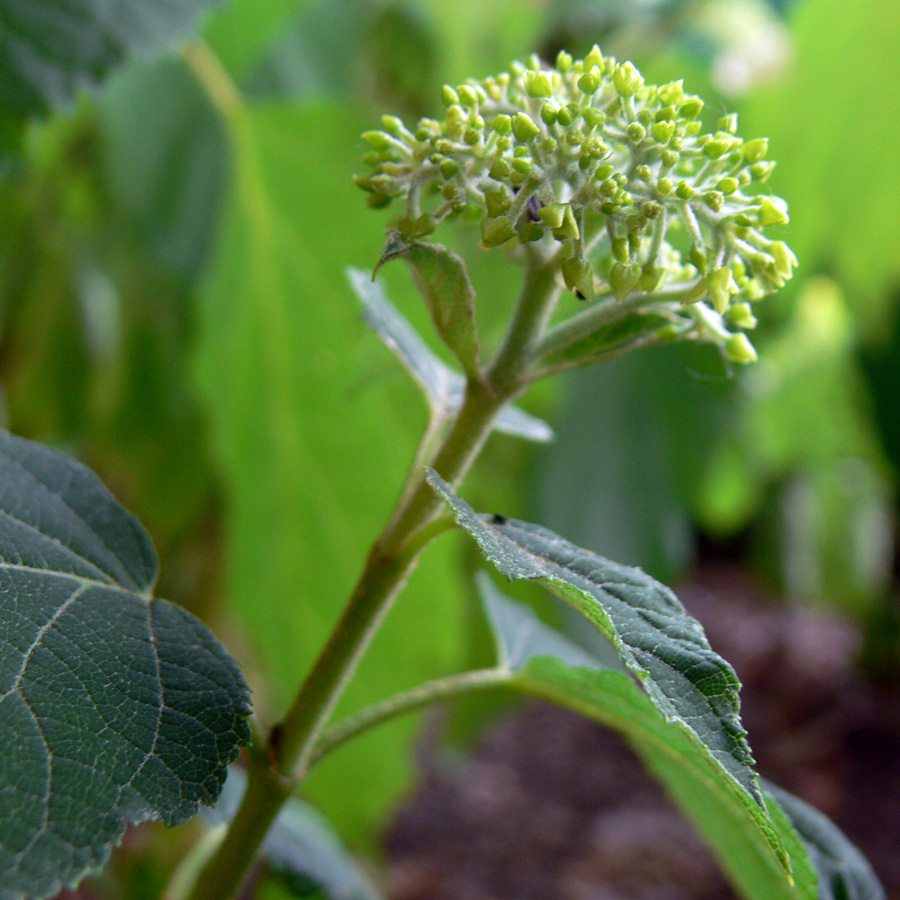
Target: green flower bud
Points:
x,y
773,212
530,231
715,200
761,171
590,81
691,107
502,124
594,58
727,185
755,150
728,123
621,250
721,287
623,279
672,93
784,258
563,62
539,85
644,172
604,171
651,277
593,117
496,231
684,190
716,148
664,186
449,167
742,316
697,256
449,96
739,349
651,209
627,80
666,114
579,277
609,187
662,131
565,116
669,158
378,139
636,132
500,169
524,128
549,112
569,227
497,203
523,166
467,95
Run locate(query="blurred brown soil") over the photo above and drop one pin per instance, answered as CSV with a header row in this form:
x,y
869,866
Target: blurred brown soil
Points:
x,y
550,806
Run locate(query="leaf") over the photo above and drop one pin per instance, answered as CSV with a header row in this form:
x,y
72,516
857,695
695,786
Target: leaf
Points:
x,y
750,846
843,872
115,708
301,846
48,49
442,279
663,647
443,387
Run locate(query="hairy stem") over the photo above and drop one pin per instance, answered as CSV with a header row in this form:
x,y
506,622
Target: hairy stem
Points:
x,y
415,698
292,745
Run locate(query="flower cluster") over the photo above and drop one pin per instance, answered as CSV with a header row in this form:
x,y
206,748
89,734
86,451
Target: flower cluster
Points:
x,y
617,172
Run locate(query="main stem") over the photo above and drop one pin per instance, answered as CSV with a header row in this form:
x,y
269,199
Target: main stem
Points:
x,y
276,771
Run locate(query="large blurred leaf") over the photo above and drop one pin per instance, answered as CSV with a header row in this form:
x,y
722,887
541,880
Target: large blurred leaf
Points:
x,y
50,48
313,450
833,123
755,851
167,158
115,707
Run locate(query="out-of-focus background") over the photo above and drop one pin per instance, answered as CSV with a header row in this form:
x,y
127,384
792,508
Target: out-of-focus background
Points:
x,y
174,311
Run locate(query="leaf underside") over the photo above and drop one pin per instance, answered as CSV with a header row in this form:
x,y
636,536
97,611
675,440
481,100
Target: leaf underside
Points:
x,y
301,846
51,48
115,707
443,388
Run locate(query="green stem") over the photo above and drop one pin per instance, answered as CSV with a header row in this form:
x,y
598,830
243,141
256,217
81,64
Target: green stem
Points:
x,y
415,698
291,748
601,314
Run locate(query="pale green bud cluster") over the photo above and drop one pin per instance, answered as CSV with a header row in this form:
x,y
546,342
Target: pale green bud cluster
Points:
x,y
614,173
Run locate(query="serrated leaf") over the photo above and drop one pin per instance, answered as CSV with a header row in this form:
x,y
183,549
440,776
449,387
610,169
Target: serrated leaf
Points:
x,y
663,647
301,846
752,849
50,49
115,707
843,872
443,387
443,281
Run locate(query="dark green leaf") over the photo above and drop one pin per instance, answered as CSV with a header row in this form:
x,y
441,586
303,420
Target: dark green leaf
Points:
x,y
443,387
844,873
51,48
114,707
661,645
756,852
301,846
442,279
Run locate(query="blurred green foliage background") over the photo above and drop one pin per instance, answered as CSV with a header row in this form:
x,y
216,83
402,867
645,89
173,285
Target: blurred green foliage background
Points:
x,y
174,310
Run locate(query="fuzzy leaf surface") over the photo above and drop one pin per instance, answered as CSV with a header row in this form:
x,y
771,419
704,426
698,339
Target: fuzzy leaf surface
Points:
x,y
755,851
115,707
663,647
51,48
443,281
443,387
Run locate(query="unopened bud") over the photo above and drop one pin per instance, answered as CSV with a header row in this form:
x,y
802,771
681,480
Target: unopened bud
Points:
x,y
627,80
496,231
739,349
524,128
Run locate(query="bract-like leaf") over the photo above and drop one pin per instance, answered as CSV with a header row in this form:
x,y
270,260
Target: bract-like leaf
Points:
x,y
114,707
443,281
759,855
49,49
301,846
663,647
443,387
843,872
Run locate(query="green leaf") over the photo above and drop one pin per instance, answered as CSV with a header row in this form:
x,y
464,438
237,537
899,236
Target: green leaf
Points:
x,y
843,872
114,707
750,846
443,281
50,49
443,387
664,648
301,846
